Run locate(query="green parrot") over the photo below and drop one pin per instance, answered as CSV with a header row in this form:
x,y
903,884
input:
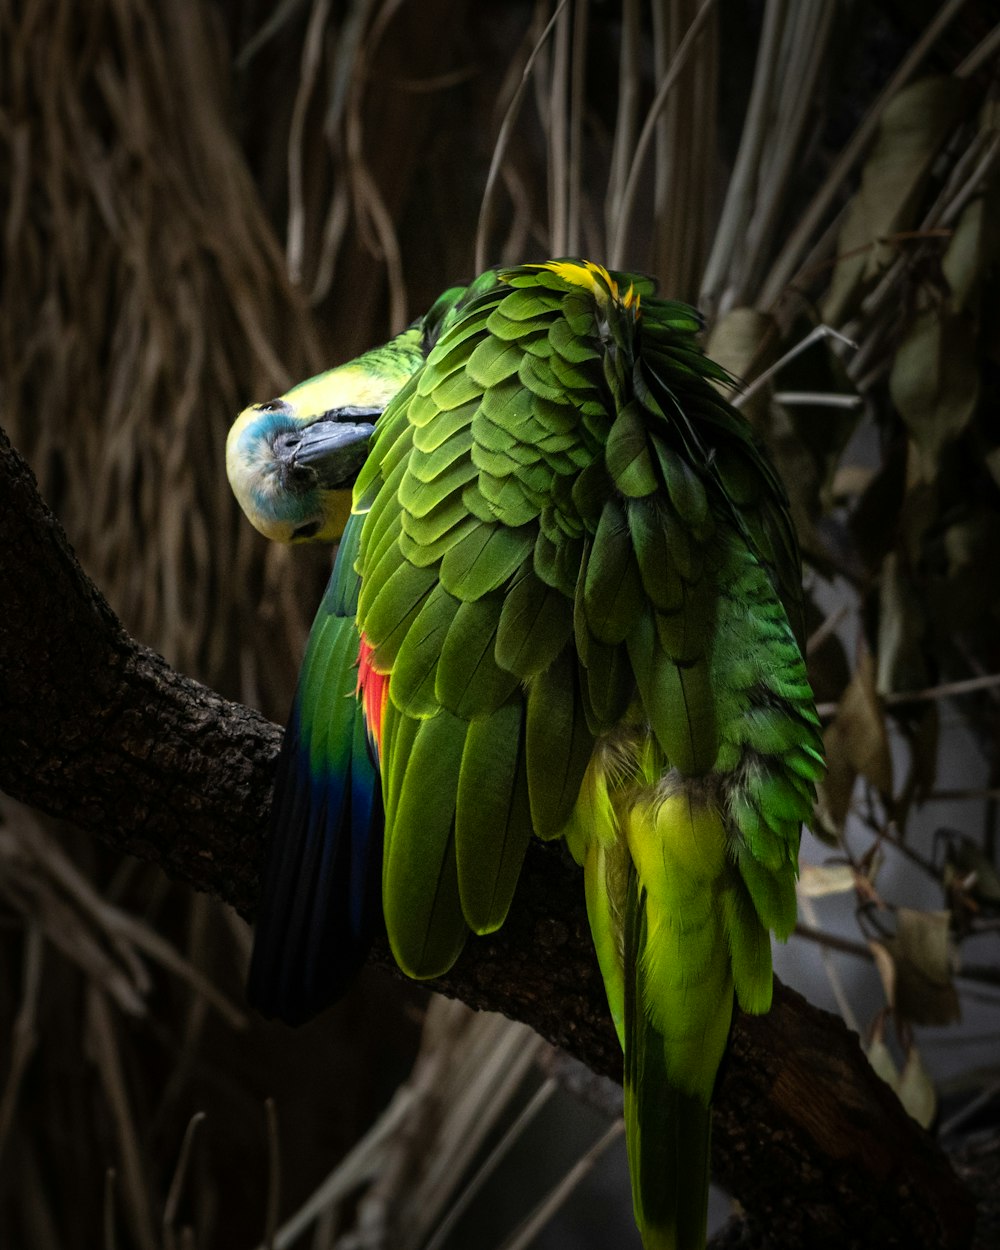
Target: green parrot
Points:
x,y
567,602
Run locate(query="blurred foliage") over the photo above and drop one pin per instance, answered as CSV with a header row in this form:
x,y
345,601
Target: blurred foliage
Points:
x,y
206,200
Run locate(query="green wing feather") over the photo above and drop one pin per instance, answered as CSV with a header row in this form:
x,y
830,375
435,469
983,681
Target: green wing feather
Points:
x,y
579,573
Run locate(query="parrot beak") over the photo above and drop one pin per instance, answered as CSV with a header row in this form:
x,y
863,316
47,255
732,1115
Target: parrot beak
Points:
x,y
331,448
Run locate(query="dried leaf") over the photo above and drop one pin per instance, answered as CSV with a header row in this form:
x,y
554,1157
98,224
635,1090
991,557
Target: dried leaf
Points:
x,y
818,880
834,793
874,521
824,430
935,382
962,601
915,1090
922,938
901,630
976,241
861,723
912,1085
921,984
829,671
967,256
880,1057
745,343
992,462
966,862
922,729
850,480
856,743
919,508
885,965
741,339
913,128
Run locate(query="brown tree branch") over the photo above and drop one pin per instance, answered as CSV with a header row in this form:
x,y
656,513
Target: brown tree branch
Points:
x,y
99,730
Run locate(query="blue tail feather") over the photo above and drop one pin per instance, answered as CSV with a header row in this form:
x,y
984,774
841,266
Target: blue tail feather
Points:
x,y
322,885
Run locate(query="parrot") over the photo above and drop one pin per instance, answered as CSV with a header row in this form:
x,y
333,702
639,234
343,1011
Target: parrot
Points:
x,y
567,603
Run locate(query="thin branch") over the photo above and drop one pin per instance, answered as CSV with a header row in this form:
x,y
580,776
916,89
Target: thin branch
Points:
x,y
177,1184
550,1204
273,1204
947,690
627,201
816,334
980,54
831,941
730,234
492,1161
503,138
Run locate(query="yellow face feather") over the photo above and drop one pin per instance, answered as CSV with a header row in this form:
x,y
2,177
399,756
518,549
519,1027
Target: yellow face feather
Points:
x,y
351,385
336,510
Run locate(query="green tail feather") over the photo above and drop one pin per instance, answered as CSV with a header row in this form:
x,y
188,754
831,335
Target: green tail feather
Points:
x,y
667,1129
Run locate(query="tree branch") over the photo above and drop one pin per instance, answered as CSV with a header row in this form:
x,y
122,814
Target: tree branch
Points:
x,y
99,730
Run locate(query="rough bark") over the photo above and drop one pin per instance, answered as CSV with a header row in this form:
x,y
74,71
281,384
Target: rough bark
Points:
x,y
100,730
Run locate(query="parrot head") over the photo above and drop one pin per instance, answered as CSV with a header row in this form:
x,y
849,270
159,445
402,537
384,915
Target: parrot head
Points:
x,y
292,460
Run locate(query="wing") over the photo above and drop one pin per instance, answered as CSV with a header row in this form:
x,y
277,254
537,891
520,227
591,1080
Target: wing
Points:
x,y
529,503
575,568
577,577
321,900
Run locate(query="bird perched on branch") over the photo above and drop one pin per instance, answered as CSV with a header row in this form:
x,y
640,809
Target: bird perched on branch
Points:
x,y
566,603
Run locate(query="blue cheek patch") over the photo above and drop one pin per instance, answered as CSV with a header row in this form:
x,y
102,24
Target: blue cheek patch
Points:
x,y
271,499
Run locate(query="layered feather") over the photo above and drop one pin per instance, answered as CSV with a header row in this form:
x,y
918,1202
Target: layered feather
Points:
x,y
580,576
580,591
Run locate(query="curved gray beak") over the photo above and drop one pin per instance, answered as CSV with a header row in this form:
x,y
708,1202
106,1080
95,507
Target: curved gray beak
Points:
x,y
331,448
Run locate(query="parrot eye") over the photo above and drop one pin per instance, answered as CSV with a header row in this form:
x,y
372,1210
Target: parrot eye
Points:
x,y
309,530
